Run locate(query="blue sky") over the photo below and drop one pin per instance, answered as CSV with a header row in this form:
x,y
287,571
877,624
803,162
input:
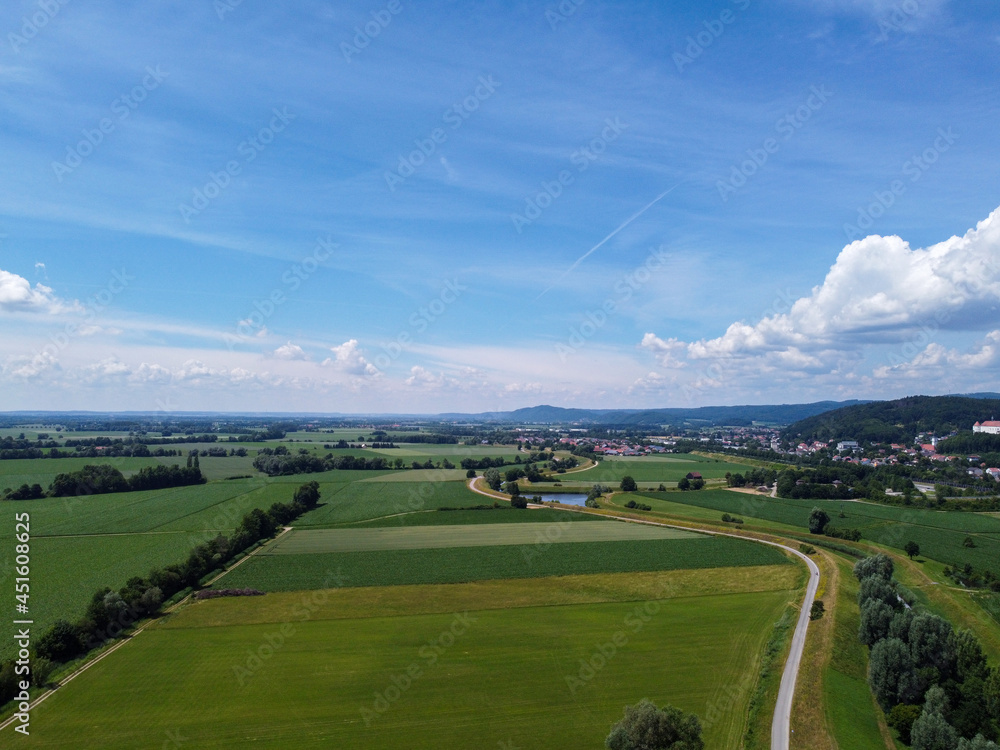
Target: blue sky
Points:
x,y
444,206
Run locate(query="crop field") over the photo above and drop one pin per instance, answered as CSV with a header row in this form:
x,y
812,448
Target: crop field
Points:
x,y
463,564
462,677
320,541
940,534
503,514
66,571
365,500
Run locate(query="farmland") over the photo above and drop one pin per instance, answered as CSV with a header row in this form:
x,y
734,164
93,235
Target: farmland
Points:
x,y
512,675
940,534
461,564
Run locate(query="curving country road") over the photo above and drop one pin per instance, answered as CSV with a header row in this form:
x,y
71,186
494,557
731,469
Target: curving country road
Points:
x,y
781,724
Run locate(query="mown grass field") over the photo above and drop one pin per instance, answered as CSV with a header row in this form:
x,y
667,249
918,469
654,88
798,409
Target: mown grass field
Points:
x,y
655,469
477,677
322,541
463,564
940,534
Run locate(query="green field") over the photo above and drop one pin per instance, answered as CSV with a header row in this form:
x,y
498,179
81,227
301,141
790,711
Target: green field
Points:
x,y
476,678
655,469
504,514
462,564
321,541
18,471
940,534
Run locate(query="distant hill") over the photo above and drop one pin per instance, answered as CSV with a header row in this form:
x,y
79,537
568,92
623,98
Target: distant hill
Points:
x,y
703,415
896,421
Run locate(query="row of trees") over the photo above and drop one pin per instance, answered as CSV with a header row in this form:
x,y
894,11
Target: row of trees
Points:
x,y
104,478
932,681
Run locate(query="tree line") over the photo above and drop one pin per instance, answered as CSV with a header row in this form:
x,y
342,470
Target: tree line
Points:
x,y
933,682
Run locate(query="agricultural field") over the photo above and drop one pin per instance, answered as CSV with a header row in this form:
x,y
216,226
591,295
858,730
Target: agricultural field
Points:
x,y
18,471
323,541
655,469
538,558
940,534
507,665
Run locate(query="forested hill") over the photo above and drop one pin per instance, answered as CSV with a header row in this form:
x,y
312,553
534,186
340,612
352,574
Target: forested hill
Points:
x,y
696,416
896,421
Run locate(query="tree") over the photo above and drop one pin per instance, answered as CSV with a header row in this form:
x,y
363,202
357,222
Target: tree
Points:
x,y
646,727
493,479
470,474
978,743
518,501
628,484
931,731
901,719
817,610
307,495
513,490
931,644
890,673
970,661
818,520
876,617
59,643
912,549
878,565
684,484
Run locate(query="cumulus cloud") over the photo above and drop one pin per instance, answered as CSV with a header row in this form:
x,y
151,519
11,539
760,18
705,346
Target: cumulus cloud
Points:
x,y
18,295
29,367
880,292
936,360
878,289
291,352
667,351
349,358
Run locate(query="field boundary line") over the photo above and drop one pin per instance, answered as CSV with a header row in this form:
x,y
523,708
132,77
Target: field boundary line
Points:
x,y
104,654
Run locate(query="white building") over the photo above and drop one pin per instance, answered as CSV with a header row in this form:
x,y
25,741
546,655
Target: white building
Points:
x,y
990,427
847,445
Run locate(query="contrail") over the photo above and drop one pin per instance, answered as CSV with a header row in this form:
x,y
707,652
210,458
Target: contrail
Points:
x,y
594,249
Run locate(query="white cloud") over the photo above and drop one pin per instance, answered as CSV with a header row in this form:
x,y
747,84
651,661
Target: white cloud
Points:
x,y
667,352
30,366
17,295
878,289
349,358
291,352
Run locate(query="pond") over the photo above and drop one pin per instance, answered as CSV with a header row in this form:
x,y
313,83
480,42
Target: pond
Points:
x,y
566,498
